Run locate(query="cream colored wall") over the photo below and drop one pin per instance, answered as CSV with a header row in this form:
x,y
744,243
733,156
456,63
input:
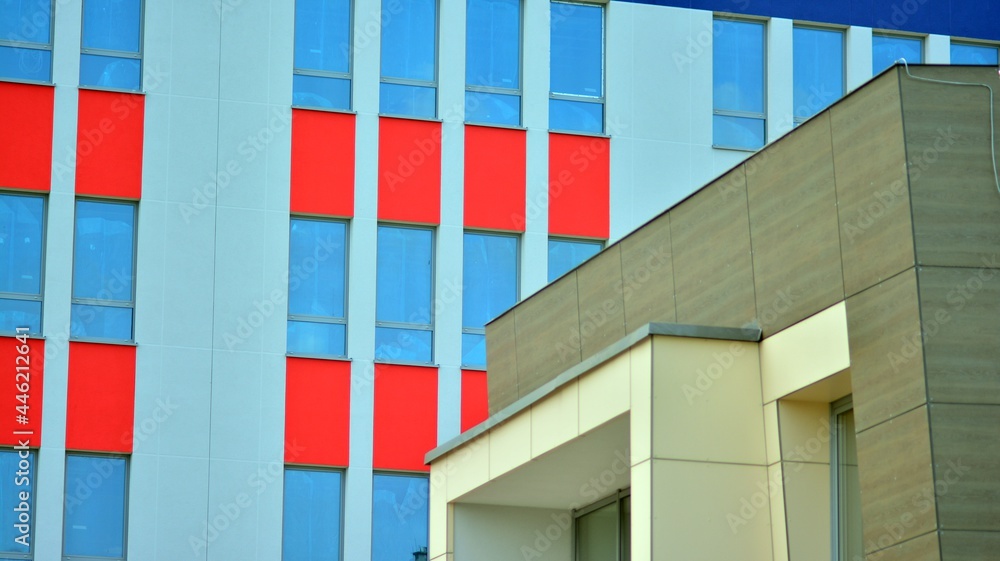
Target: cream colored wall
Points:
x,y
502,533
709,461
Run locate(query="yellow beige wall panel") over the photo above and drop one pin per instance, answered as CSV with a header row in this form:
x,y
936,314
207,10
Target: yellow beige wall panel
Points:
x,y
510,444
772,441
887,368
807,509
713,271
547,333
641,480
967,466
502,533
710,511
641,402
647,275
602,306
897,486
876,233
959,310
956,208
805,353
793,227
468,467
805,431
439,538
923,548
706,401
779,526
969,546
605,392
501,355
555,420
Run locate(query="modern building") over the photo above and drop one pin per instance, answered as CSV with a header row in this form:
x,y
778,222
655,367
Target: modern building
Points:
x,y
251,247
802,364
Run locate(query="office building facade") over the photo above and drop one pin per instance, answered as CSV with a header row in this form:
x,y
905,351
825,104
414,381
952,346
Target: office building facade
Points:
x,y
250,249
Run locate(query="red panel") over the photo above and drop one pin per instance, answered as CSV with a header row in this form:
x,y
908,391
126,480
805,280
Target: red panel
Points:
x,y
474,402
109,144
317,412
100,404
405,416
409,170
26,152
579,177
494,178
21,391
322,162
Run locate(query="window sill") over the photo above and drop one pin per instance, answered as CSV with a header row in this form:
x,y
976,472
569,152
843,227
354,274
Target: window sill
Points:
x,y
27,82
120,342
580,133
15,334
473,368
115,90
411,117
405,363
325,109
496,126
737,149
319,357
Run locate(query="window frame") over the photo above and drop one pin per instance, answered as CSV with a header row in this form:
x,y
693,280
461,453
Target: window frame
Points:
x,y
125,507
764,97
342,508
972,43
837,408
349,75
429,327
426,476
517,236
892,34
329,320
617,498
32,500
41,280
518,92
434,84
36,46
603,100
96,301
602,243
84,50
796,120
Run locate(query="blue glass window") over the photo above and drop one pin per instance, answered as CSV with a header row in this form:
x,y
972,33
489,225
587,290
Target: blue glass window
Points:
x,y
399,517
409,58
317,279
564,255
111,49
22,219
489,278
576,99
404,319
965,53
96,491
887,49
17,503
311,527
322,74
738,85
103,270
818,69
493,62
26,40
